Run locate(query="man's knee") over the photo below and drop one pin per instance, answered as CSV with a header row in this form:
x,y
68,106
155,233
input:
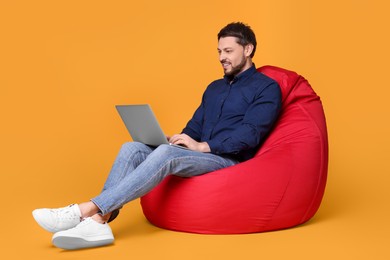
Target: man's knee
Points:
x,y
133,147
164,151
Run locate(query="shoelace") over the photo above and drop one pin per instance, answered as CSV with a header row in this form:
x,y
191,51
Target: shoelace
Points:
x,y
65,213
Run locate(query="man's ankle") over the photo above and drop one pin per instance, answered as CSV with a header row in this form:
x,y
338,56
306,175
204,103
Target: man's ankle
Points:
x,y
88,209
101,219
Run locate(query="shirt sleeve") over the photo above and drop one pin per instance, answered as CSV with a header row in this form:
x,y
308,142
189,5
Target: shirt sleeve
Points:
x,y
195,125
257,122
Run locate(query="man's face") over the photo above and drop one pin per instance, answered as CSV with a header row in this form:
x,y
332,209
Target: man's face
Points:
x,y
232,56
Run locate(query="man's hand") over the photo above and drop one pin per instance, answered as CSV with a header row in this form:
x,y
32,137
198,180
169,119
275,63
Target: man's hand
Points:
x,y
183,139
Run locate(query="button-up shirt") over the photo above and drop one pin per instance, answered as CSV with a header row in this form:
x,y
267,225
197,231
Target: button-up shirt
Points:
x,y
236,115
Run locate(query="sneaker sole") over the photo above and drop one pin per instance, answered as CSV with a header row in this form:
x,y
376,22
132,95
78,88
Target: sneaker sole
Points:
x,y
73,243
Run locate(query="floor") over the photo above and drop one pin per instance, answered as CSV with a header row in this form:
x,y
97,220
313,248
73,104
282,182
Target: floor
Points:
x,y
336,231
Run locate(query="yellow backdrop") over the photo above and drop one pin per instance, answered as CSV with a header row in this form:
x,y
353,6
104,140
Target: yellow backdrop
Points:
x,y
64,65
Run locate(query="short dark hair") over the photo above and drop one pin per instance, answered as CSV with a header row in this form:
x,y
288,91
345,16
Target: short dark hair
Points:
x,y
242,32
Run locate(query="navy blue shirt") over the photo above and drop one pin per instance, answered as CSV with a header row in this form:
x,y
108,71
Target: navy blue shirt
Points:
x,y
236,114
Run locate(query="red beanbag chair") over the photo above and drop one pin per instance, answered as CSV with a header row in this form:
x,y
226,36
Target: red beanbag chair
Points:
x,y
281,187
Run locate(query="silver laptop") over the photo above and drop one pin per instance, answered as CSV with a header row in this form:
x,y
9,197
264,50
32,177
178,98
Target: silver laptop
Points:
x,y
142,125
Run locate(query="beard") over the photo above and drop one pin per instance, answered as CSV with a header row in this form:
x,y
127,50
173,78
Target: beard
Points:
x,y
235,69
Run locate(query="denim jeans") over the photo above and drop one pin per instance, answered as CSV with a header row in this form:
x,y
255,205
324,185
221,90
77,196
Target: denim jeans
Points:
x,y
138,168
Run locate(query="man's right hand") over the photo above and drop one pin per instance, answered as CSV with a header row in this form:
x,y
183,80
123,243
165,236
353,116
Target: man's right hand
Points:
x,y
187,141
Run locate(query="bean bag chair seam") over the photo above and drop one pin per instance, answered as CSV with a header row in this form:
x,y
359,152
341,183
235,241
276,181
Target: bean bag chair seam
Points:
x,y
279,203
321,166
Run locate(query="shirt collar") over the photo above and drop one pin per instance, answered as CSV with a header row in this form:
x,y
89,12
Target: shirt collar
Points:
x,y
245,74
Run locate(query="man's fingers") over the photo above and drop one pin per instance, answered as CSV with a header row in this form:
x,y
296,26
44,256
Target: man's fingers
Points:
x,y
174,139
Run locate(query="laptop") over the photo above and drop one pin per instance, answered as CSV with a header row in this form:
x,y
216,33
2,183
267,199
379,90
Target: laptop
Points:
x,y
142,125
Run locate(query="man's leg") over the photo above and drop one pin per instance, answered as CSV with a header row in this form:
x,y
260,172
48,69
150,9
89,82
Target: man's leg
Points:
x,y
134,183
54,220
163,161
73,233
129,157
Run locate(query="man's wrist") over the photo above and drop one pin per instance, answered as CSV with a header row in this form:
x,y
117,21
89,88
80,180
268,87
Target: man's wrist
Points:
x,y
204,147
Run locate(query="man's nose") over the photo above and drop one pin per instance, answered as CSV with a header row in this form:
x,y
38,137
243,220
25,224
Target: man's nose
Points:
x,y
222,57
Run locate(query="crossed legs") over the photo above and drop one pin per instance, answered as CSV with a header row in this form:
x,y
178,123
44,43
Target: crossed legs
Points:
x,y
137,169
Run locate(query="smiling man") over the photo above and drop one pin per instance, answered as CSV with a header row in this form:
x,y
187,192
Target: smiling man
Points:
x,y
235,116
236,51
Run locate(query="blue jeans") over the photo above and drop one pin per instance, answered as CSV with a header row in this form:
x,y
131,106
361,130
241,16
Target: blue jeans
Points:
x,y
138,168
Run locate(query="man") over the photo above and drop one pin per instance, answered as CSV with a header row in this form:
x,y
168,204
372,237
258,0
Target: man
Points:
x,y
233,119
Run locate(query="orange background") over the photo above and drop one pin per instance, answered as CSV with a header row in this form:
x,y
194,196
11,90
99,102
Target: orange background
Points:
x,y
64,65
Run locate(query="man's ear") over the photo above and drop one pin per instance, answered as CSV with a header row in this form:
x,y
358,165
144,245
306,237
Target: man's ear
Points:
x,y
248,49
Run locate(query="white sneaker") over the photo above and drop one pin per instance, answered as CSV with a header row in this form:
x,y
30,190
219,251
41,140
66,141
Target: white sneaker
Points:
x,y
88,233
54,220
